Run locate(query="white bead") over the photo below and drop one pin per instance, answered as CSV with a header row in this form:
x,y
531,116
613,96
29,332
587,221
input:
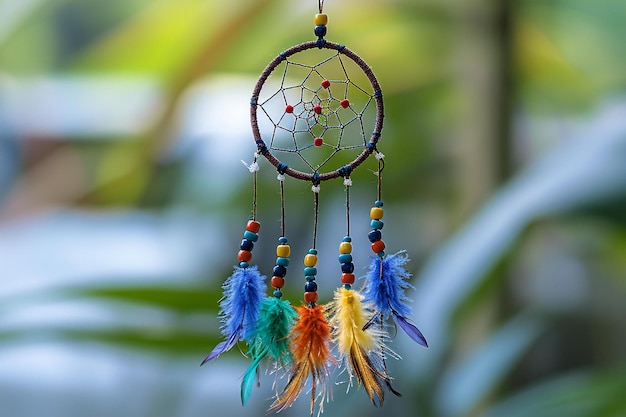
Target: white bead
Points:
x,y
347,182
253,167
315,188
280,177
379,155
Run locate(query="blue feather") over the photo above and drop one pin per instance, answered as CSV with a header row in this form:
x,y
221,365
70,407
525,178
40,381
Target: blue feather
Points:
x,y
239,309
386,282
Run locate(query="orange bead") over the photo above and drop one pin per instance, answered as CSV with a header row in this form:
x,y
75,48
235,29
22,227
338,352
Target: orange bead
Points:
x,y
347,279
278,282
310,297
378,246
244,255
253,226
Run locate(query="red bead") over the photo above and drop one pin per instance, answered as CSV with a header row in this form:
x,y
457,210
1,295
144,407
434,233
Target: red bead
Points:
x,y
378,246
244,255
253,226
344,103
289,108
278,282
347,279
310,297
317,109
325,83
318,141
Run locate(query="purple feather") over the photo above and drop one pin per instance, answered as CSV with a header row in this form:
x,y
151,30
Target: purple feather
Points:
x,y
239,309
410,329
387,279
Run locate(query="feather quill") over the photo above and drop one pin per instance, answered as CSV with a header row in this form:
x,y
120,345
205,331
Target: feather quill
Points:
x,y
310,352
276,318
359,349
387,279
239,309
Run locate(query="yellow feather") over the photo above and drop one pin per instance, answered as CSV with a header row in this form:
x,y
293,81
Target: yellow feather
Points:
x,y
358,348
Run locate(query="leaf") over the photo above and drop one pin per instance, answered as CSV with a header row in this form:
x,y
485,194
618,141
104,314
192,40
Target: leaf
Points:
x,y
578,394
585,169
469,381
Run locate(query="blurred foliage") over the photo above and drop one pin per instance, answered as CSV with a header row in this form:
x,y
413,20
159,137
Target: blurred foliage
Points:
x,y
519,272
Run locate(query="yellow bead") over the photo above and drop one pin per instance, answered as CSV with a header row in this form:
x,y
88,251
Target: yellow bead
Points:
x,y
321,19
283,251
345,247
376,213
310,260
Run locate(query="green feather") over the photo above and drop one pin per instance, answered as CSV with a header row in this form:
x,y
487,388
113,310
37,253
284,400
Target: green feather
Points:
x,y
271,338
276,318
248,379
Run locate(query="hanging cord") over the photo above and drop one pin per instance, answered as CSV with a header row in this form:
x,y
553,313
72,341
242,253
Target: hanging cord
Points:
x,y
282,207
321,5
316,203
253,168
379,174
347,210
254,193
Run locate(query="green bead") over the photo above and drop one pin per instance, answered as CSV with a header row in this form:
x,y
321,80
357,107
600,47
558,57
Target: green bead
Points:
x,y
310,271
282,261
345,258
376,224
250,236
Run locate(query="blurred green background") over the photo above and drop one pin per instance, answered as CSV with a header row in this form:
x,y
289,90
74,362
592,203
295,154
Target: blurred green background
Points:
x,y
122,201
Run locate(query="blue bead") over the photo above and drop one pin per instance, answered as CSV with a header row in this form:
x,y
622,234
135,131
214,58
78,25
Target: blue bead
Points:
x,y
246,245
347,239
310,271
376,224
320,31
378,203
347,267
310,286
243,264
345,257
347,286
374,235
381,254
278,294
282,240
282,261
250,236
313,251
310,277
279,271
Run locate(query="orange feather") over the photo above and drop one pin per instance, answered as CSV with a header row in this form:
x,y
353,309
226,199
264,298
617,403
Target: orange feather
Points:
x,y
309,347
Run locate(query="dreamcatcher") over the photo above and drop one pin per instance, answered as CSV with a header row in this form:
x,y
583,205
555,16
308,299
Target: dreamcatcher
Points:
x,y
311,111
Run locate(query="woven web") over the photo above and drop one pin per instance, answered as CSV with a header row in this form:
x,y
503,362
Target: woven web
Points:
x,y
319,108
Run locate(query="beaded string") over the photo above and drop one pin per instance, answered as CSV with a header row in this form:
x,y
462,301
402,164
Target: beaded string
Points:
x,y
310,259
283,250
250,235
376,214
345,247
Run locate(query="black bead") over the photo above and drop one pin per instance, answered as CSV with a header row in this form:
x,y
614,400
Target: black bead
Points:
x,y
310,286
374,235
279,271
347,267
246,245
320,31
